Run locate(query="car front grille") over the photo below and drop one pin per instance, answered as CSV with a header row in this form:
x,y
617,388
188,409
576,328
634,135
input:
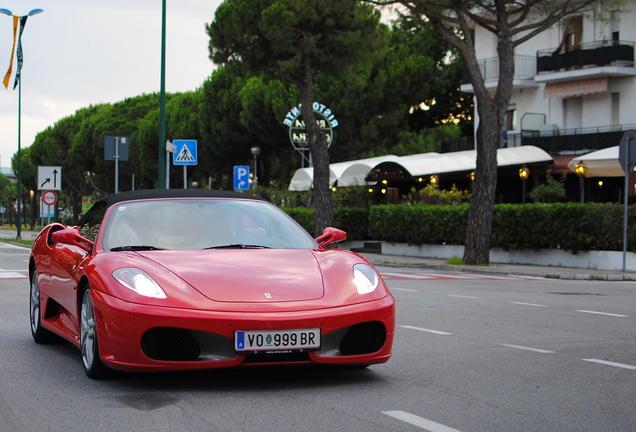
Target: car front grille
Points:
x,y
170,344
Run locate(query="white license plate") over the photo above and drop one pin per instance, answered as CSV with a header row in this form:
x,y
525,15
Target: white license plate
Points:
x,y
277,340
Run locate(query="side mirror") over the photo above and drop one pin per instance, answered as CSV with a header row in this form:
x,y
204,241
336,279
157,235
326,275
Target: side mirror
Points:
x,y
331,235
71,236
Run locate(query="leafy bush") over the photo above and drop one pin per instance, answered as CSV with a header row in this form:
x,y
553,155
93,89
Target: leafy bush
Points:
x,y
550,192
432,195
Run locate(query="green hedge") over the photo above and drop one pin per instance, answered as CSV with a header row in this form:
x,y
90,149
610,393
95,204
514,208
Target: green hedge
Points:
x,y
572,227
353,220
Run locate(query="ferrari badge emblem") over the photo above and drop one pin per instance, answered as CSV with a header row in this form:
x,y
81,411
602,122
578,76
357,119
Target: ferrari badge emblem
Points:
x,y
267,295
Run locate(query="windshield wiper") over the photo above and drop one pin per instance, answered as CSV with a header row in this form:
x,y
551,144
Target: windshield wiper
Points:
x,y
135,248
238,246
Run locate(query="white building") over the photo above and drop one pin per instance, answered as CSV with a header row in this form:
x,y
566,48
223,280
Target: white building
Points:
x,y
575,84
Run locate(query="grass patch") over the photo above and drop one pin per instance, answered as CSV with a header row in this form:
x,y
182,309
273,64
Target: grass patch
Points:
x,y
455,260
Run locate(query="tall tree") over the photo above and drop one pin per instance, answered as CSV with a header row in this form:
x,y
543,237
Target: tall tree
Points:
x,y
297,39
513,22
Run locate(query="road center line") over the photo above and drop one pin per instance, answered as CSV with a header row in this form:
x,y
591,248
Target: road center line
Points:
x,y
529,304
419,421
528,349
603,313
462,296
403,289
426,330
609,363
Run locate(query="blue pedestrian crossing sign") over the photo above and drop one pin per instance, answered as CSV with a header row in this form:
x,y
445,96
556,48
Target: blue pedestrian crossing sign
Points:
x,y
186,153
241,178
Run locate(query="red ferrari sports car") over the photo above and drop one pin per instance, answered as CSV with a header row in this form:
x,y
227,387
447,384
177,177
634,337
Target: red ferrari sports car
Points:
x,y
165,280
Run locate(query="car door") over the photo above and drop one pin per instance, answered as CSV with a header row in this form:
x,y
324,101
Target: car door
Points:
x,y
65,263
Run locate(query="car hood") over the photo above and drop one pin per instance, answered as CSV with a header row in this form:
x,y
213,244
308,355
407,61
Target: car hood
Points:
x,y
246,275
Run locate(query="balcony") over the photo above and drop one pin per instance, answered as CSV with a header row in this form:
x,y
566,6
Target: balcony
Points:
x,y
525,70
592,60
571,141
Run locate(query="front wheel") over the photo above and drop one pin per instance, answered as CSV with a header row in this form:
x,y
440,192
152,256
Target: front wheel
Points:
x,y
40,334
93,365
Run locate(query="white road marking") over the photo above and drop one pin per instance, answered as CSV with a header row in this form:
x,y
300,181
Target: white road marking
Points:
x,y
528,304
528,349
12,275
426,330
452,276
609,363
462,296
403,289
420,422
603,313
408,276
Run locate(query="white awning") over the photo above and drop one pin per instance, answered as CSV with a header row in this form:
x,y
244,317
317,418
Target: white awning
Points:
x,y
345,173
424,164
465,161
602,163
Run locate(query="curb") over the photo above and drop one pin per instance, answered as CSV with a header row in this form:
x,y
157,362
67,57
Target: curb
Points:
x,y
483,270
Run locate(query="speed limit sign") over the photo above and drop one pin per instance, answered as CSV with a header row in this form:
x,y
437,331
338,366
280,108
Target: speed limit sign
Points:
x,y
49,198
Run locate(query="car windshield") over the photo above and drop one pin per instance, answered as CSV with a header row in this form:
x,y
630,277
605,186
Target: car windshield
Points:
x,y
201,223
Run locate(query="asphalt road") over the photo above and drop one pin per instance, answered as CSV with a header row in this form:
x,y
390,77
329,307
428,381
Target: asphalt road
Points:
x,y
471,353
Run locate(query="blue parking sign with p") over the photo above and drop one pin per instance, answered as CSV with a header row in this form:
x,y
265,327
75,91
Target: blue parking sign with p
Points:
x,y
241,178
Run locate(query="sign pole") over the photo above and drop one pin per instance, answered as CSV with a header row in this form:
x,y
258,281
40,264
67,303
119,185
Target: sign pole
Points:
x,y
116,164
185,177
626,199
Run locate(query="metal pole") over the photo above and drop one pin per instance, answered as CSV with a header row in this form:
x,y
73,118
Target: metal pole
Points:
x,y
162,102
255,183
582,187
626,198
133,182
167,167
116,164
210,182
185,176
19,221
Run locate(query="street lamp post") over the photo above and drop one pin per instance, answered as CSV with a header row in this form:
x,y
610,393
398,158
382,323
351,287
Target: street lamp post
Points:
x,y
256,150
523,175
19,221
581,169
163,163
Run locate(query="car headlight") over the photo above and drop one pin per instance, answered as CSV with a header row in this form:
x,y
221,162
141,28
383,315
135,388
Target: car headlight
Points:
x,y
140,282
365,278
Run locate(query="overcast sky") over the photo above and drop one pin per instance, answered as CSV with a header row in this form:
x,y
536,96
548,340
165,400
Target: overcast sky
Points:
x,y
83,52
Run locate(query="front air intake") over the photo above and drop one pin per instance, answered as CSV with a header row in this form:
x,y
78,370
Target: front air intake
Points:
x,y
363,338
170,344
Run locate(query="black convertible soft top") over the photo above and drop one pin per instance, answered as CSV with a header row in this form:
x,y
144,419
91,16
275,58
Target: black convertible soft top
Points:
x,y
167,193
174,193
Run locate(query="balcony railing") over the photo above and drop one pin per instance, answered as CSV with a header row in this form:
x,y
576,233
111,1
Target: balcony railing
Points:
x,y
599,53
571,141
525,68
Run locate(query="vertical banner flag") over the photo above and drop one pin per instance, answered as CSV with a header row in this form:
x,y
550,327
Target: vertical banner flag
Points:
x,y
8,75
17,72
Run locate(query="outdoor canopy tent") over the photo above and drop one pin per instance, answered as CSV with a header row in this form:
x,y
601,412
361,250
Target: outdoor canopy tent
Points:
x,y
601,163
352,172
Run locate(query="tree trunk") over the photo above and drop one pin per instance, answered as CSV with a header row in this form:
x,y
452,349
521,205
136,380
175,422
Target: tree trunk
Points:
x,y
491,115
319,153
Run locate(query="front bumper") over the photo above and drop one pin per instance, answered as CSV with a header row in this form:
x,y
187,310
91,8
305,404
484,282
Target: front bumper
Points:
x,y
121,326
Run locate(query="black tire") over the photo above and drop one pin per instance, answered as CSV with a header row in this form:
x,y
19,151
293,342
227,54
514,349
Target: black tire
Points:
x,y
89,344
40,334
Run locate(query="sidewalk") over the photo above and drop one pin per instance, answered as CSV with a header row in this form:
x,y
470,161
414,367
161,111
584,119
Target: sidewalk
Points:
x,y
12,233
380,260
